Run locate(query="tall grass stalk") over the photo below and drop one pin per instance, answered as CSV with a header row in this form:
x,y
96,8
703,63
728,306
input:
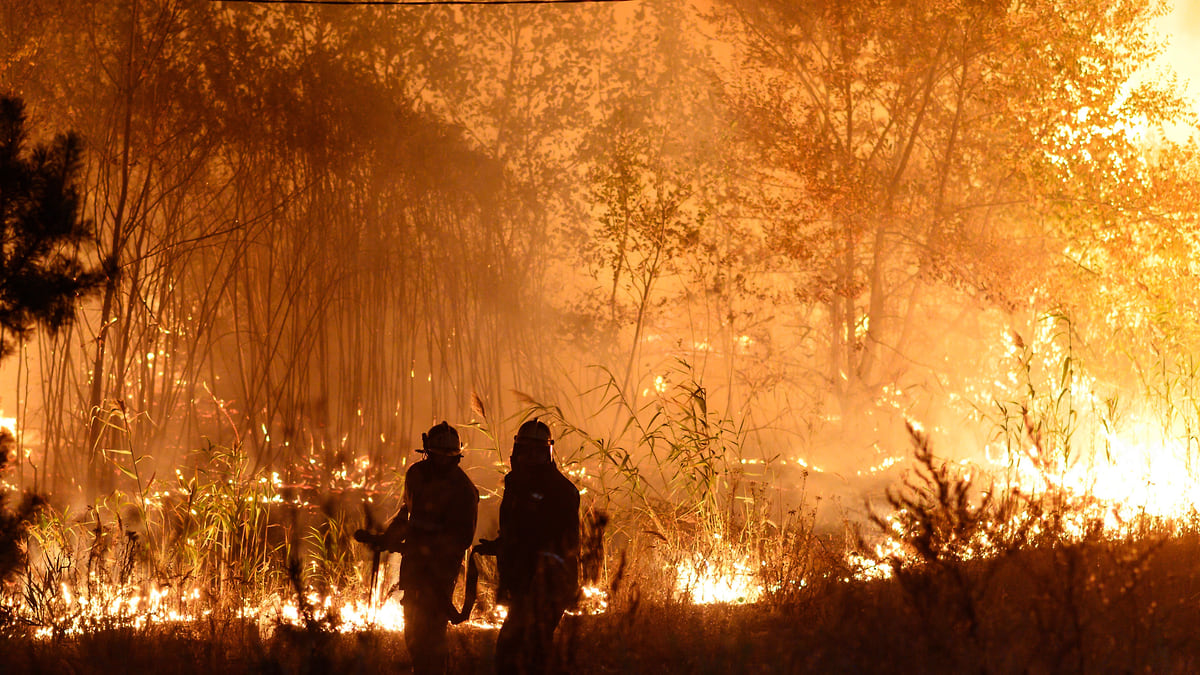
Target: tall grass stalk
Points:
x,y
675,474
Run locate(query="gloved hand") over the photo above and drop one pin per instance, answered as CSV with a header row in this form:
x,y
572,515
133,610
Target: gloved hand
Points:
x,y
487,547
369,538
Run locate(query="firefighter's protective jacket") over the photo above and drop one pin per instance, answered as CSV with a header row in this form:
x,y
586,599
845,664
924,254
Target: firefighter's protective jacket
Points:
x,y
539,535
434,527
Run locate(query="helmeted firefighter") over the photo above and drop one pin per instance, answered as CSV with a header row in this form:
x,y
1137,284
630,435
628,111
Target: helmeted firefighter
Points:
x,y
538,552
433,529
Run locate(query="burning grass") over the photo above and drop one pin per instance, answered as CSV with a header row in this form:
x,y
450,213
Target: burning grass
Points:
x,y
1096,606
692,566
1031,604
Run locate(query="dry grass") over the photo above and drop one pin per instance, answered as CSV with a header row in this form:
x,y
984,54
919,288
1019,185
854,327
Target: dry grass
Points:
x,y
1078,609
989,581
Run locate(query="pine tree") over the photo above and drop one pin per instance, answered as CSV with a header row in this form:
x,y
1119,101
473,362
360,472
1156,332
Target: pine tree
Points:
x,y
42,275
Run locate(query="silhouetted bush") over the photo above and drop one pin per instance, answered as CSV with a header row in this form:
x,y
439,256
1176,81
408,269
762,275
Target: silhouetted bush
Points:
x,y
14,528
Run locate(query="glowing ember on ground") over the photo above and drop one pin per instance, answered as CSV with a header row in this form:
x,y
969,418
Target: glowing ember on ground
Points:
x,y
868,568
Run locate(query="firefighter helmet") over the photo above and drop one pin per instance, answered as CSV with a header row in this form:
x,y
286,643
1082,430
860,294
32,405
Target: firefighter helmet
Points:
x,y
441,439
532,444
534,432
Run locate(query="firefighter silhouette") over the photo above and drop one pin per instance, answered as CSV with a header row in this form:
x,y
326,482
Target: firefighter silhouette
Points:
x,y
434,527
538,552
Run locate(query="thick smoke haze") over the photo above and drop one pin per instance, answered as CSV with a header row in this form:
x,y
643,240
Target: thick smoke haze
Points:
x,y
749,239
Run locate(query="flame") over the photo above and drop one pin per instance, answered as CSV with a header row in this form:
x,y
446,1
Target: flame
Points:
x,y
592,600
128,605
348,616
707,582
76,611
1141,476
873,568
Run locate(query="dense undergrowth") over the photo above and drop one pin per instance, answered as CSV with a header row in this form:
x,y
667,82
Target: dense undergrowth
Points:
x,y
1096,607
976,584
955,571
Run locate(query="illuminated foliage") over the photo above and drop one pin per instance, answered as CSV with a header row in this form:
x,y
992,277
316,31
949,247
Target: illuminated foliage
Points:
x,y
918,153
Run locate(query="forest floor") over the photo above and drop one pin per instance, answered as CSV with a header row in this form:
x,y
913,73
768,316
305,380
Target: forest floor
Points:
x,y
1091,607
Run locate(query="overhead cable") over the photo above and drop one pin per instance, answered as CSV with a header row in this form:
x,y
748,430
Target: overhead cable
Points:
x,y
419,2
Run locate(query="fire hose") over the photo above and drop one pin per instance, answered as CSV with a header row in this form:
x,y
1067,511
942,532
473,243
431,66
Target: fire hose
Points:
x,y
376,551
470,591
470,586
